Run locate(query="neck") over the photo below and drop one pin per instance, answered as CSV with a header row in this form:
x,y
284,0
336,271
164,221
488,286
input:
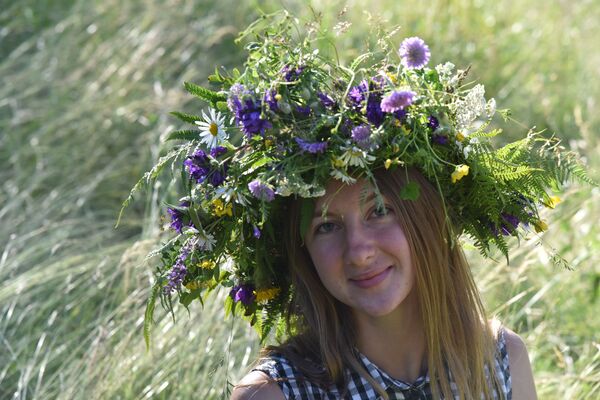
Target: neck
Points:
x,y
394,342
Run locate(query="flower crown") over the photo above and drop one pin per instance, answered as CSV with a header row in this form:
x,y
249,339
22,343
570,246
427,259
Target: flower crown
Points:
x,y
292,120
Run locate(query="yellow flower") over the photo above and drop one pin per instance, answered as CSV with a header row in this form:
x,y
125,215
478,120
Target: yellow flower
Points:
x,y
460,137
278,97
268,143
460,171
207,264
392,77
553,202
222,209
388,163
337,162
540,226
263,295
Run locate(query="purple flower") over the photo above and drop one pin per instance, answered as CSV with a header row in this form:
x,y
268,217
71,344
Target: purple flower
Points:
x,y
357,94
326,100
361,135
261,191
217,177
255,231
414,53
397,100
311,147
432,122
236,92
269,98
242,293
249,116
198,166
303,111
401,115
290,73
440,139
177,216
217,151
374,111
177,273
511,223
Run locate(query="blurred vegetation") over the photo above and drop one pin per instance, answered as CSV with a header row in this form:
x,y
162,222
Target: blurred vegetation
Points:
x,y
85,91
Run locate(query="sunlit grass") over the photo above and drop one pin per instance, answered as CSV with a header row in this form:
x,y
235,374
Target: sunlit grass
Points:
x,y
84,101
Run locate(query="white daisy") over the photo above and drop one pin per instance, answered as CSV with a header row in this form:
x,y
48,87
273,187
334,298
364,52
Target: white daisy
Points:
x,y
212,129
355,156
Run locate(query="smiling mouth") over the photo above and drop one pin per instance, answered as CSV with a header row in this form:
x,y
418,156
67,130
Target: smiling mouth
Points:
x,y
369,281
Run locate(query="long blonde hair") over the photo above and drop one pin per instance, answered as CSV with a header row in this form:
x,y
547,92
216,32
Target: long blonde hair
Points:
x,y
459,341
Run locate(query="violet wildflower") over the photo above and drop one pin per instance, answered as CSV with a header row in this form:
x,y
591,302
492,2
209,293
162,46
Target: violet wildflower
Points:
x,y
217,177
255,231
290,73
374,111
215,152
401,115
414,53
432,122
269,98
236,93
249,116
511,223
326,100
261,191
440,139
177,217
357,94
397,100
303,110
311,147
242,293
361,135
198,166
177,273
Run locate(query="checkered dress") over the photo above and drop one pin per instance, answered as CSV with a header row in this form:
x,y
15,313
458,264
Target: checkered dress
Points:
x,y
293,386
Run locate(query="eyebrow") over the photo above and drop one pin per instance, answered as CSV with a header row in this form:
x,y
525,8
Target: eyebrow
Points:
x,y
319,214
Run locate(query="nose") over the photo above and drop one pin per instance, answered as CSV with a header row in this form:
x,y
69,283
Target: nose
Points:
x,y
361,247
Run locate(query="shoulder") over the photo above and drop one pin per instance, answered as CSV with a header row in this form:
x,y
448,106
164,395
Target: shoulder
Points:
x,y
523,386
257,385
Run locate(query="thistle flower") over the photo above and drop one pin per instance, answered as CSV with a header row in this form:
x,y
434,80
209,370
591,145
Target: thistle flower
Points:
x,y
261,191
397,100
311,147
414,53
361,135
212,129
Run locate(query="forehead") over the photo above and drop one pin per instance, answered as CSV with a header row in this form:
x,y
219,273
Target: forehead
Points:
x,y
338,194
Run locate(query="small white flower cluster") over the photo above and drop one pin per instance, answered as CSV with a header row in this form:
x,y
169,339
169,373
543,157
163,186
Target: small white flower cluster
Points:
x,y
470,107
447,76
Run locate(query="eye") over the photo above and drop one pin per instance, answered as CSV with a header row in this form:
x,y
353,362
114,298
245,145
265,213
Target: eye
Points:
x,y
325,227
384,211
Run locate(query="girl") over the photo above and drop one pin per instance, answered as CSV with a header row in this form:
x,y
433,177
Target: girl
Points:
x,y
385,307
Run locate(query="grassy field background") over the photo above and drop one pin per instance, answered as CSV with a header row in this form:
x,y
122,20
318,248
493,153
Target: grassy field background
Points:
x,y
85,91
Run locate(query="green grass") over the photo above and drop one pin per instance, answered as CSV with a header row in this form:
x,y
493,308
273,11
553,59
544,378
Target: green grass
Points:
x,y
85,92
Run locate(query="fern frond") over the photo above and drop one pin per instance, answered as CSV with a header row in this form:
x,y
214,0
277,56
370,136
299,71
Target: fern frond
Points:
x,y
204,94
184,134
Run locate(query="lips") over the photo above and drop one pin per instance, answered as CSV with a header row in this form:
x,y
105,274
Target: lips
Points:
x,y
369,280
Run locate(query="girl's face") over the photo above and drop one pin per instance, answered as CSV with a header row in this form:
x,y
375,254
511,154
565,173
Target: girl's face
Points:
x,y
360,251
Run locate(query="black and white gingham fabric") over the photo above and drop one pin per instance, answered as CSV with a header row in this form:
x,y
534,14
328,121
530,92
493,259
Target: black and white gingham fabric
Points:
x,y
295,387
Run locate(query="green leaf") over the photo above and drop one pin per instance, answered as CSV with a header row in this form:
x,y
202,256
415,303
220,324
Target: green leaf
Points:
x,y
149,314
259,163
203,93
186,117
410,191
185,134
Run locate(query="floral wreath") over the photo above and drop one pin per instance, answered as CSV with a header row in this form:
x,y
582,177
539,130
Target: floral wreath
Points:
x,y
292,120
